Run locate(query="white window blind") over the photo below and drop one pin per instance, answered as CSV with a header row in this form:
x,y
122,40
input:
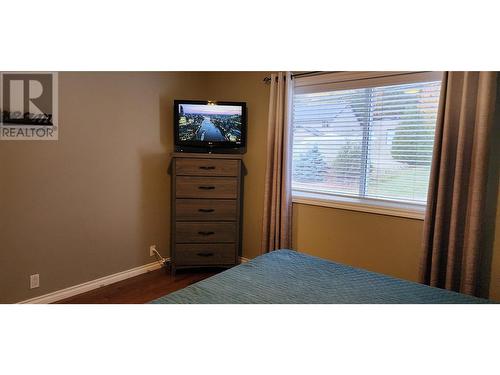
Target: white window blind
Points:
x,y
369,138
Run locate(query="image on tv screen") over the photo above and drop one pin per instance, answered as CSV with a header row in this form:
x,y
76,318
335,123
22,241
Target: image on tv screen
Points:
x,y
210,123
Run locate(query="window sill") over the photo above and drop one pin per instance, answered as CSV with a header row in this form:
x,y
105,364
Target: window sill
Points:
x,y
374,206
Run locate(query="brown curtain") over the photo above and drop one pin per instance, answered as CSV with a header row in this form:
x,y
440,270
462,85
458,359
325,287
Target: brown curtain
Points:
x,y
455,218
276,229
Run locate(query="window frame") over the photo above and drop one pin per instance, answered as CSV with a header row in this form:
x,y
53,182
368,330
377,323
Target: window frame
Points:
x,y
354,80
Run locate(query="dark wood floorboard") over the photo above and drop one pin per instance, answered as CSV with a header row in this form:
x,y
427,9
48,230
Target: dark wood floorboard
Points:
x,y
142,288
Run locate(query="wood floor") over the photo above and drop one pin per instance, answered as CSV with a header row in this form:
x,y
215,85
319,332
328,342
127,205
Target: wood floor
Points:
x,y
143,288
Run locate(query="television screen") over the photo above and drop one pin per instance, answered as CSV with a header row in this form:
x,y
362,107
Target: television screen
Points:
x,y
210,123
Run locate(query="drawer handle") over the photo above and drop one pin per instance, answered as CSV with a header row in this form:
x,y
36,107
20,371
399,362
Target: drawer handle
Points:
x,y
205,254
207,168
206,233
206,187
206,210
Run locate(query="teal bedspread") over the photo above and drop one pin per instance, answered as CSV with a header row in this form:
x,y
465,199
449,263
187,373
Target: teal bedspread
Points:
x,y
286,276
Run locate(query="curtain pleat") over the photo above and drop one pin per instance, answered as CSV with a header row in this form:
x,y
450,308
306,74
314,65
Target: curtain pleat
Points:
x,y
454,224
276,230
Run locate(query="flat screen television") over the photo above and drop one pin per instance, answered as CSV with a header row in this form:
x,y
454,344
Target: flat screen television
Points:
x,y
209,126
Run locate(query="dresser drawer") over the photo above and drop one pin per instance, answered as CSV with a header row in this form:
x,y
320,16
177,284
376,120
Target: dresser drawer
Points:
x,y
206,167
205,254
205,210
206,187
204,232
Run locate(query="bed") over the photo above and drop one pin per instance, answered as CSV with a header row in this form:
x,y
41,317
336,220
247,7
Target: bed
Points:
x,y
286,276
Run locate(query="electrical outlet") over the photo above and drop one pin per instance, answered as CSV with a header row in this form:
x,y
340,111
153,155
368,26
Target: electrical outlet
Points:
x,y
34,281
152,249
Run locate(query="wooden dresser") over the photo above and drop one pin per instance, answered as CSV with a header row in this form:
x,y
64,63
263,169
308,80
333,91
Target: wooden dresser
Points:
x,y
206,210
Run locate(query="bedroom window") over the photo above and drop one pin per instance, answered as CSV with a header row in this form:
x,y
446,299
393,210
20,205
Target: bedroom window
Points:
x,y
364,141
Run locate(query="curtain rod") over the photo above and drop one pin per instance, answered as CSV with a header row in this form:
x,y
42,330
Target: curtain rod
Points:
x,y
268,79
314,73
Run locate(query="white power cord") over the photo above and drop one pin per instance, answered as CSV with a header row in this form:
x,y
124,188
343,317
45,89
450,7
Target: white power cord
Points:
x,y
159,258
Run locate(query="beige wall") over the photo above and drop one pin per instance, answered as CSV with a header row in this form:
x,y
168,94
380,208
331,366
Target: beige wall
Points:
x,y
90,204
379,243
248,87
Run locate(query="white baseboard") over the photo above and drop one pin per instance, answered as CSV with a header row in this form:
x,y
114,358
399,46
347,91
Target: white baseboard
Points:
x,y
94,284
98,283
